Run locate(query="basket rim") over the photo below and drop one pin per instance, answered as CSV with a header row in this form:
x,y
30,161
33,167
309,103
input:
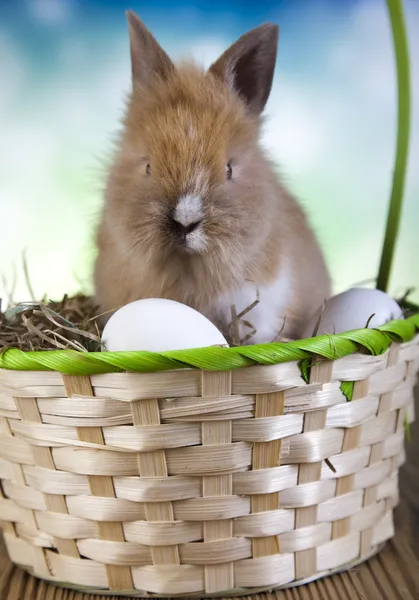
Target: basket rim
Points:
x,y
332,347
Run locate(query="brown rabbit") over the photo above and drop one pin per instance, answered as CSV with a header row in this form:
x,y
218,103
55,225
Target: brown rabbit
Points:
x,y
194,211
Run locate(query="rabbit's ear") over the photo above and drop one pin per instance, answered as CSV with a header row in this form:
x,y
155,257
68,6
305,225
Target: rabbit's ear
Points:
x,y
248,65
147,56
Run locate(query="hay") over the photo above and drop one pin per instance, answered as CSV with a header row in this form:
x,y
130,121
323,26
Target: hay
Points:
x,y
72,323
75,323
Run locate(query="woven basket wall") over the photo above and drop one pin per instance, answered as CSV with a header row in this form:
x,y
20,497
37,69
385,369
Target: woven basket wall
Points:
x,y
192,482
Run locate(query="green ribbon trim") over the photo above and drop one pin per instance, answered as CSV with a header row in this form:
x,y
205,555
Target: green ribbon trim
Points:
x,y
70,362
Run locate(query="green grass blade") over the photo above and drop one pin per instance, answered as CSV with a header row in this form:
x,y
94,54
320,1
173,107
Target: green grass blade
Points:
x,y
398,27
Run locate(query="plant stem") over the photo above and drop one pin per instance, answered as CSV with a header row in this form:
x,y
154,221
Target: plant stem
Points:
x,y
398,27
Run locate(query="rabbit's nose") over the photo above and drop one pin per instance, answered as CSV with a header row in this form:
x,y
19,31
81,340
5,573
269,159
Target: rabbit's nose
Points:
x,y
182,231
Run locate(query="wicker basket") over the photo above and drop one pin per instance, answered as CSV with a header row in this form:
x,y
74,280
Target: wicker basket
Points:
x,y
198,481
219,471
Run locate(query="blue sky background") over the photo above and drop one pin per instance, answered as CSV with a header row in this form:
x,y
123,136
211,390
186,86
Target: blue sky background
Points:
x,y
64,73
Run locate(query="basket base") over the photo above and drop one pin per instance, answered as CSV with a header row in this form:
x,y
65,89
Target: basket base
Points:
x,y
234,593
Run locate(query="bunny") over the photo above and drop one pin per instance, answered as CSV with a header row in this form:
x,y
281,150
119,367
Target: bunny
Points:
x,y
194,211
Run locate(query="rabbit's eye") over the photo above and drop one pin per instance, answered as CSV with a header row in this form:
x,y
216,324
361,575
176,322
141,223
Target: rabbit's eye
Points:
x,y
229,171
148,169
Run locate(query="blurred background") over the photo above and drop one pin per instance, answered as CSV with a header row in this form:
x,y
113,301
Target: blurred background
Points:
x,y
331,124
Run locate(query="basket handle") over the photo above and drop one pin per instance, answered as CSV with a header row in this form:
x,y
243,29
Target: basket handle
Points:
x,y
398,27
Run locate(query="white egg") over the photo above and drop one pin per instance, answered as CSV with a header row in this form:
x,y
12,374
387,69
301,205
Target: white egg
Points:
x,y
353,309
157,325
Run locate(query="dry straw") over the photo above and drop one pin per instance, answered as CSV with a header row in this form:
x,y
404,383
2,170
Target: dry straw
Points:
x,y
214,471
